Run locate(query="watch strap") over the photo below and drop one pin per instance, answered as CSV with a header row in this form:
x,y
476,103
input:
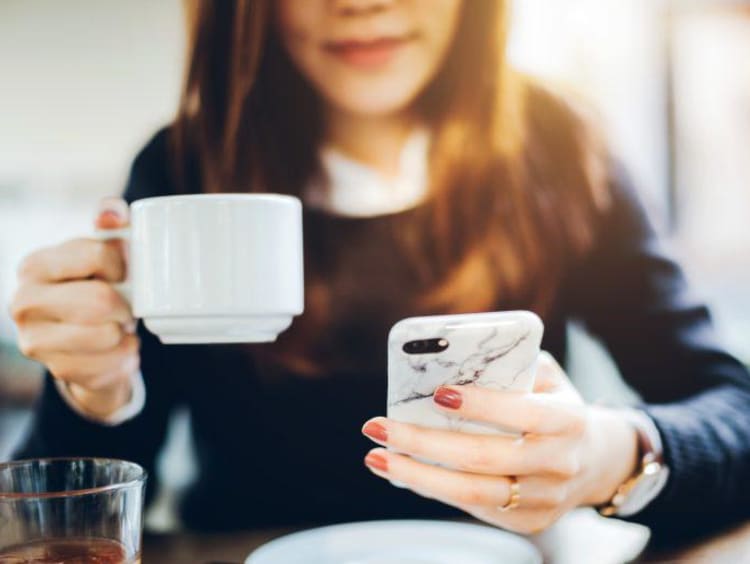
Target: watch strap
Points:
x,y
651,475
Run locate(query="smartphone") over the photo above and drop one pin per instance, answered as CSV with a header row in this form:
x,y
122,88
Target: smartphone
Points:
x,y
496,350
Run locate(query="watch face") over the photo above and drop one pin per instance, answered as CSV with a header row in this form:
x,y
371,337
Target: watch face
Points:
x,y
651,468
648,484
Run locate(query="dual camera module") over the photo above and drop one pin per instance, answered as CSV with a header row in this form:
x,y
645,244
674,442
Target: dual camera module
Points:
x,y
425,346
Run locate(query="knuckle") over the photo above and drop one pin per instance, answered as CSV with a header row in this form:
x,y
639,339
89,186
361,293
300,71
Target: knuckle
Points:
x,y
103,257
577,425
103,299
99,382
18,308
568,466
27,265
61,371
123,376
107,379
110,335
519,448
480,456
95,255
556,495
75,258
529,462
21,303
101,253
26,345
536,417
472,494
103,293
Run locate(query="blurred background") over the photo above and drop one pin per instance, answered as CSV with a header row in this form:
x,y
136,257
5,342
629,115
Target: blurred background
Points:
x,y
84,83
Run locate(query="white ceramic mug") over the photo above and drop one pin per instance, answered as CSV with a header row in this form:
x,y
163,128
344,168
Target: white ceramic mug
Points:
x,y
214,268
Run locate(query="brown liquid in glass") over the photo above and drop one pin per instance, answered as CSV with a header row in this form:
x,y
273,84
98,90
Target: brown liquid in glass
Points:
x,y
68,551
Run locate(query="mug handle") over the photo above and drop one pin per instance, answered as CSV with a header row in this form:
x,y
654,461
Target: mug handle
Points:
x,y
124,288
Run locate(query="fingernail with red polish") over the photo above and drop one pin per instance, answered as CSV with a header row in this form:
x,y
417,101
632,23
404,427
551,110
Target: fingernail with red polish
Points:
x,y
109,219
377,461
375,431
448,398
110,214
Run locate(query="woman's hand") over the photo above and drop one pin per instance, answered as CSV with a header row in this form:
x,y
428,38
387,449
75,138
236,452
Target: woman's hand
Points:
x,y
72,320
569,453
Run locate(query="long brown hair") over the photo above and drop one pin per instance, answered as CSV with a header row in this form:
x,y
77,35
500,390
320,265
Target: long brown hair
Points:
x,y
516,177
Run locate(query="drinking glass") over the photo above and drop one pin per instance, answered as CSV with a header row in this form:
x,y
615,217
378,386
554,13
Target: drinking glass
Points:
x,y
72,510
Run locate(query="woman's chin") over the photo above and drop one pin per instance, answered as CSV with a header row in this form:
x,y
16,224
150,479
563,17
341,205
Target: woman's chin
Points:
x,y
372,98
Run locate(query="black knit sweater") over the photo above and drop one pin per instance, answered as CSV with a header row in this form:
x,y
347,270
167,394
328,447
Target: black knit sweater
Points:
x,y
274,448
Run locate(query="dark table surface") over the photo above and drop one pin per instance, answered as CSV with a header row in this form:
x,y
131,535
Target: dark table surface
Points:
x,y
580,538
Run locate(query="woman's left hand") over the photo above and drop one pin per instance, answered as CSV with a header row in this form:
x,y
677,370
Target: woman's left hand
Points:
x,y
569,453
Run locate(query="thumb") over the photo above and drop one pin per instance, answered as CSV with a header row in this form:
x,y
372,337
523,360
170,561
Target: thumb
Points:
x,y
549,374
112,213
551,378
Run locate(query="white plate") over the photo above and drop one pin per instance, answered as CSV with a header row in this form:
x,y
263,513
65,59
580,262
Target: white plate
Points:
x,y
398,542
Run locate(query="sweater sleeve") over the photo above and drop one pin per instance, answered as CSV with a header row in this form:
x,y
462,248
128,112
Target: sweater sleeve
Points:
x,y
633,296
58,431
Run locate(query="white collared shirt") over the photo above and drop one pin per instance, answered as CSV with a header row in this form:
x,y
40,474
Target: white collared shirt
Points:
x,y
350,188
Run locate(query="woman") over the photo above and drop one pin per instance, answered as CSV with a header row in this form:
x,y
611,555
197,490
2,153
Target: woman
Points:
x,y
436,180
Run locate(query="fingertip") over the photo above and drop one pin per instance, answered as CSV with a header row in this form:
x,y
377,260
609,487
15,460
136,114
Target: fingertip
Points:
x,y
112,213
546,358
107,219
549,373
448,398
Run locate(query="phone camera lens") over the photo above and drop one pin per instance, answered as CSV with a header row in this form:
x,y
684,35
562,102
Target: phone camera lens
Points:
x,y
426,346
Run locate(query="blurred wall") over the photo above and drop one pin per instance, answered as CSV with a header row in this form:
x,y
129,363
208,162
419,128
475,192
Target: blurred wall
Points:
x,y
612,53
83,80
83,84
712,141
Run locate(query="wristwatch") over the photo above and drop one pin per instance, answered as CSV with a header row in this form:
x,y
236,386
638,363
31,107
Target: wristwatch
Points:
x,y
650,476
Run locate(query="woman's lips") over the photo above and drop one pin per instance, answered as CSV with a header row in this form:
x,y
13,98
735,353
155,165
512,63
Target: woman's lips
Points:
x,y
369,53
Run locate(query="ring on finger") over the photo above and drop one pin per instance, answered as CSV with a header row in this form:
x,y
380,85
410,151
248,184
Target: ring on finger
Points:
x,y
514,500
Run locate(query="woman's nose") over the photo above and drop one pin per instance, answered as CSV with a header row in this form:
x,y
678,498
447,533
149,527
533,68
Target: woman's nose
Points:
x,y
362,7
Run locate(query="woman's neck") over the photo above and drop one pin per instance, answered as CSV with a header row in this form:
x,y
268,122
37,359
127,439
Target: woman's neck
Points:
x,y
375,141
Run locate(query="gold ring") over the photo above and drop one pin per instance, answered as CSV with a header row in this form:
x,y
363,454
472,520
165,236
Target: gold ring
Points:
x,y
515,495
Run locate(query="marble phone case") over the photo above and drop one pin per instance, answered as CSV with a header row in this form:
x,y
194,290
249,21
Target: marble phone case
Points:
x,y
496,350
